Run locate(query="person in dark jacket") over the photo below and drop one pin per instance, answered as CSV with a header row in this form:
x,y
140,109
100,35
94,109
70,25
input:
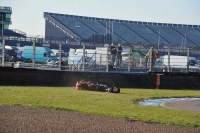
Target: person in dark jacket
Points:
x,y
110,67
113,52
114,89
119,55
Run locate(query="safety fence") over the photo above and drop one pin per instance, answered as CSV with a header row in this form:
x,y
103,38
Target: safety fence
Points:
x,y
98,59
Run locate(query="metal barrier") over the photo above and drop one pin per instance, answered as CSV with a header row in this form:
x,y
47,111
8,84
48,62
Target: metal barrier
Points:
x,y
97,60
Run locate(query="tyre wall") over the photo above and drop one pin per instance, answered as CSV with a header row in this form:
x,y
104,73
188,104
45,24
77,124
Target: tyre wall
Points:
x,y
34,77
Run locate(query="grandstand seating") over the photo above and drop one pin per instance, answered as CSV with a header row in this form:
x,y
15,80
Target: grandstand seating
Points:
x,y
94,25
191,34
143,31
126,34
76,26
170,36
100,28
130,31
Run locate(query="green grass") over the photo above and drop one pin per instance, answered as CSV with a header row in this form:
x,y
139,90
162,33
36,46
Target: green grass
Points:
x,y
123,105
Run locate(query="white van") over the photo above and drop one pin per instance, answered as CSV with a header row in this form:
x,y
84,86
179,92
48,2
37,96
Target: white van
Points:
x,y
177,63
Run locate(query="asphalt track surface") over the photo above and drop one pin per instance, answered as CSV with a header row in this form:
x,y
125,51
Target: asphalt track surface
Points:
x,y
17,119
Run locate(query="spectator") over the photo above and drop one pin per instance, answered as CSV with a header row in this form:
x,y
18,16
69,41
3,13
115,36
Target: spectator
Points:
x,y
149,57
119,55
12,59
156,55
110,67
113,52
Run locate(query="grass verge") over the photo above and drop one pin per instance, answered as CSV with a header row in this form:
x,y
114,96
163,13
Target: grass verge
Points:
x,y
123,105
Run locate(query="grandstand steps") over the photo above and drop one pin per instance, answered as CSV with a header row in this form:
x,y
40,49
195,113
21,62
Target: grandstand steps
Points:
x,y
114,32
69,29
198,30
88,26
158,34
184,36
63,28
137,33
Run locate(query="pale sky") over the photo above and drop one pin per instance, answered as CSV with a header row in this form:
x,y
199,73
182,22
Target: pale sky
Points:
x,y
27,15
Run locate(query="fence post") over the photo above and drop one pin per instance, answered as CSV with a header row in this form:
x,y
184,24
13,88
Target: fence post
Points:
x,y
107,56
150,60
73,66
168,59
83,59
100,62
158,81
70,67
95,56
60,58
33,60
3,52
129,59
188,56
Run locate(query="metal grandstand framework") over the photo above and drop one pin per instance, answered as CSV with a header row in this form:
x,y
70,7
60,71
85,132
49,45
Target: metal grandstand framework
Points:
x,y
83,29
122,21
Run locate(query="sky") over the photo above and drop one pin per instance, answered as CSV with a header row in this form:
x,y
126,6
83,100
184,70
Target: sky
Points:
x,y
27,15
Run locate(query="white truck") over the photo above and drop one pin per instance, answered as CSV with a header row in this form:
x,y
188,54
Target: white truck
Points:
x,y
64,56
75,57
177,63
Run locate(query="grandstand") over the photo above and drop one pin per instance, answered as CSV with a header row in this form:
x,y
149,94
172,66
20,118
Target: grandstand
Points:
x,y
85,29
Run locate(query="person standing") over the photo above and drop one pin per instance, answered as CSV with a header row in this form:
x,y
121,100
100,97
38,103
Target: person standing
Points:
x,y
113,52
110,67
119,55
149,57
156,55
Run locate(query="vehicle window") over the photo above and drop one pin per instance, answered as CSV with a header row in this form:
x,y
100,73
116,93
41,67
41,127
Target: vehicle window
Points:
x,y
46,55
57,54
160,60
191,62
195,61
18,51
52,54
63,55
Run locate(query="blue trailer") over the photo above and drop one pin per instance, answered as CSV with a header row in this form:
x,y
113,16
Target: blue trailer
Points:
x,y
42,54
